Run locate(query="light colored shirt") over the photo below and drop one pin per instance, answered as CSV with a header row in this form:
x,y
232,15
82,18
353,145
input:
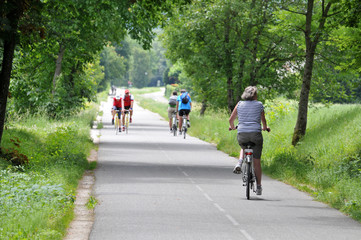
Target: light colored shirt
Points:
x,y
249,116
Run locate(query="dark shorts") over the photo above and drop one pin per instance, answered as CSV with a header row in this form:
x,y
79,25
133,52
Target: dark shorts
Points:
x,y
119,109
126,107
255,137
183,112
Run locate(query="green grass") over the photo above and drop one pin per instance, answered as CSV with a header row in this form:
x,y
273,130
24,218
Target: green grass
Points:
x,y
37,198
326,163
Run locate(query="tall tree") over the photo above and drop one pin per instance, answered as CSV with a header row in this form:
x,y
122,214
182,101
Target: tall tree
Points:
x,y
227,45
314,30
11,14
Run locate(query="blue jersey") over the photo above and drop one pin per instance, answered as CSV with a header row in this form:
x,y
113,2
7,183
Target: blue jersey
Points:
x,y
181,105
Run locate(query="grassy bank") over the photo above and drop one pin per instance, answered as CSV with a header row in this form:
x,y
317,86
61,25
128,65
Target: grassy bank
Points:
x,y
326,163
42,161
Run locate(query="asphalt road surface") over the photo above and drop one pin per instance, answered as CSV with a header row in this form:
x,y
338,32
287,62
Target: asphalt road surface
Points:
x,y
152,185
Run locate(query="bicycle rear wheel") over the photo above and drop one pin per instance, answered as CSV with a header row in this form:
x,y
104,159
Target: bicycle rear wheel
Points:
x,y
174,128
185,132
249,177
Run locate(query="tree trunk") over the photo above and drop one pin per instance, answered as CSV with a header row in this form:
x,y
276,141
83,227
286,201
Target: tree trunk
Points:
x,y
301,124
5,74
59,61
204,107
229,66
311,44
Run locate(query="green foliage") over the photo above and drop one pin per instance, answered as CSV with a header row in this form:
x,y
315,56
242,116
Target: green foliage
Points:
x,y
224,46
92,202
114,68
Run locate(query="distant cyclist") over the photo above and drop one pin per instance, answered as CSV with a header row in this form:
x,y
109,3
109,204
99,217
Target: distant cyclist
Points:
x,y
184,106
128,100
172,107
114,90
117,105
250,113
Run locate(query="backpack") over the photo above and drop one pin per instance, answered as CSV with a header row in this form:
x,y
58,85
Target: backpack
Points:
x,y
185,98
173,100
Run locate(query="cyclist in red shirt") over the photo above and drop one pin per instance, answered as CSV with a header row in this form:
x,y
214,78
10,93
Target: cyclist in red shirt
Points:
x,y
117,105
128,100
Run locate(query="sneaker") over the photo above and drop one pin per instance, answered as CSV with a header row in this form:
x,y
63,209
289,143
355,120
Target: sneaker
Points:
x,y
237,169
259,190
120,130
123,128
188,124
112,121
130,120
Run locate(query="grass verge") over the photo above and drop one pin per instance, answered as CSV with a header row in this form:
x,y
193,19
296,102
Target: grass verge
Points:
x,y
41,164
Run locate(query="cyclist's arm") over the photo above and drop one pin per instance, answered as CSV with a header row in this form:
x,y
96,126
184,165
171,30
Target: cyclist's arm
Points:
x,y
233,117
131,105
264,121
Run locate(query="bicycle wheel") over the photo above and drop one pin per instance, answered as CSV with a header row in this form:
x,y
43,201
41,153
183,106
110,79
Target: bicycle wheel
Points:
x,y
174,128
184,127
126,123
248,182
116,124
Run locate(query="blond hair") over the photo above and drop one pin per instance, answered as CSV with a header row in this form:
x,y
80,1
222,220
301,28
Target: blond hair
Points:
x,y
249,93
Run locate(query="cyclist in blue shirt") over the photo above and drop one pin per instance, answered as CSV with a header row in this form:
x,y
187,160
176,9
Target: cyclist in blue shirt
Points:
x,y
184,106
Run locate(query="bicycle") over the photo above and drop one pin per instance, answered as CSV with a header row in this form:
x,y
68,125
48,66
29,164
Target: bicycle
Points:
x,y
248,173
126,121
174,123
116,123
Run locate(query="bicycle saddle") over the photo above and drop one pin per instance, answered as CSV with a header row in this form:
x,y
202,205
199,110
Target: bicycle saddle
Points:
x,y
246,144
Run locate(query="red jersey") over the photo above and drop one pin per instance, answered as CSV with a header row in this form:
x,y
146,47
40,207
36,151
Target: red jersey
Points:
x,y
117,103
128,99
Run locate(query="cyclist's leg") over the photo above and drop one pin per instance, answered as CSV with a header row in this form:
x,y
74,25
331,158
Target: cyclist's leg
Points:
x,y
257,138
170,117
123,118
258,170
180,119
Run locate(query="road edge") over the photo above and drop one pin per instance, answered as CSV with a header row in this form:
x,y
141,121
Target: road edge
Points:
x,y
82,224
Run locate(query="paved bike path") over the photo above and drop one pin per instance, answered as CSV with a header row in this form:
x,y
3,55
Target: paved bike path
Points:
x,y
152,185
